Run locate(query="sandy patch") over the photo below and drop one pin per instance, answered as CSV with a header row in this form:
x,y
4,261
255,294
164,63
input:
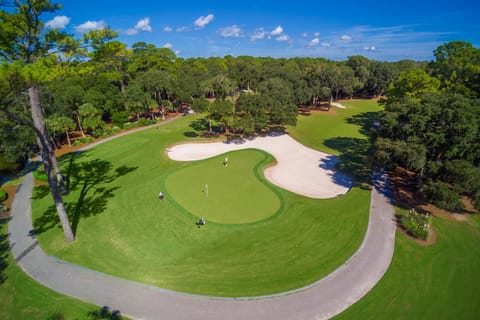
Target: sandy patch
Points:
x,y
338,105
299,169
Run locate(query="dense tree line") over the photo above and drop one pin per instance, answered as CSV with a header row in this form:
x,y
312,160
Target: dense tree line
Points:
x,y
90,82
431,125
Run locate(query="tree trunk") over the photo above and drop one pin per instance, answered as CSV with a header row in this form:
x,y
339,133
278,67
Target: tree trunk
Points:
x,y
49,160
68,138
79,123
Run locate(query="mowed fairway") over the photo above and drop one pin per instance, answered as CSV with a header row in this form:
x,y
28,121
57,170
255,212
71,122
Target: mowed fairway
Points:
x,y
123,229
234,192
319,130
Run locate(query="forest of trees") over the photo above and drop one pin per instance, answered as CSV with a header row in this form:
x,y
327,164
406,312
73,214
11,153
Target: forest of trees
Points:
x,y
52,84
87,83
431,125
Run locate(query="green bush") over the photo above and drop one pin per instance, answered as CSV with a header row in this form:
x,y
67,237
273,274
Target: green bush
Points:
x,y
3,195
119,118
415,224
40,174
82,141
441,195
145,122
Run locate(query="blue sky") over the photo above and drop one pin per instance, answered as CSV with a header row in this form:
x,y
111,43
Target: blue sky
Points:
x,y
379,30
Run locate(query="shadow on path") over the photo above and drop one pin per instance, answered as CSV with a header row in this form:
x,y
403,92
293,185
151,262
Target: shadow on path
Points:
x,y
92,182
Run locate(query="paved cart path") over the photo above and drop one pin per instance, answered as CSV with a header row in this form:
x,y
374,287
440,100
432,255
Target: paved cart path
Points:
x,y
321,300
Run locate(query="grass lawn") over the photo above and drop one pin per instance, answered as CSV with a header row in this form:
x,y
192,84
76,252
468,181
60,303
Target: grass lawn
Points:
x,y
236,193
24,298
436,282
123,229
332,133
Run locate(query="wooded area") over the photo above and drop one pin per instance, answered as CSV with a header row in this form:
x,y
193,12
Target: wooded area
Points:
x,y
431,125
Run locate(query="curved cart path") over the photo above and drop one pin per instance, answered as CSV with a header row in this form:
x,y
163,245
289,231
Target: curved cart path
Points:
x,y
299,169
321,300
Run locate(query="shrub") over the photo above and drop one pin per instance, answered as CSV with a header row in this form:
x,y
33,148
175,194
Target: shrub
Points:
x,y
441,195
3,195
145,122
40,174
120,118
415,224
82,141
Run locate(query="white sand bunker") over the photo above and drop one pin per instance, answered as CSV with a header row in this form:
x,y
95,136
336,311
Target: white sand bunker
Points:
x,y
299,169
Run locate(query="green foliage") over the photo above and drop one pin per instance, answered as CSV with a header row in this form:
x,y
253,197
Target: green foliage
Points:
x,y
463,176
414,223
119,118
3,195
414,84
431,125
442,195
40,174
82,141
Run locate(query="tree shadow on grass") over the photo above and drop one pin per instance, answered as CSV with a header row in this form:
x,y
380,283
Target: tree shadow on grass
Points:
x,y
365,120
354,158
92,181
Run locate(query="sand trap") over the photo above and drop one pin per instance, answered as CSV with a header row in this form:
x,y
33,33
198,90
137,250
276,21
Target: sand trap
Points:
x,y
338,105
299,169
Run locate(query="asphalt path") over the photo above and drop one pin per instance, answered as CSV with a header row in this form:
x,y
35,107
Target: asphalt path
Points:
x,y
321,300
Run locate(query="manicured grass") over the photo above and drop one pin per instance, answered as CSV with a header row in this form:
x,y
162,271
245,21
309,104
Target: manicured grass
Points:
x,y
436,282
327,132
23,298
123,229
233,193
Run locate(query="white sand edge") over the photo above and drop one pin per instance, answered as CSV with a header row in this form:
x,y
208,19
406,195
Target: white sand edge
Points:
x,y
299,169
338,105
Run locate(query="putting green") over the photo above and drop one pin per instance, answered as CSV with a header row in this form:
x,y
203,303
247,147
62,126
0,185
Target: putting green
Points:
x,y
231,194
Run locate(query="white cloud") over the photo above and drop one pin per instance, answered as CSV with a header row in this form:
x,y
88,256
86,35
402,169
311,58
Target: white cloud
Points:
x,y
314,42
325,44
181,29
305,35
259,34
168,45
283,37
230,32
90,25
345,37
177,52
277,31
59,22
142,25
203,21
167,29
371,48
317,34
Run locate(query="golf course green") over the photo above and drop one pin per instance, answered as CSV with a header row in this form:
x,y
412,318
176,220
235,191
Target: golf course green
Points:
x,y
233,192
